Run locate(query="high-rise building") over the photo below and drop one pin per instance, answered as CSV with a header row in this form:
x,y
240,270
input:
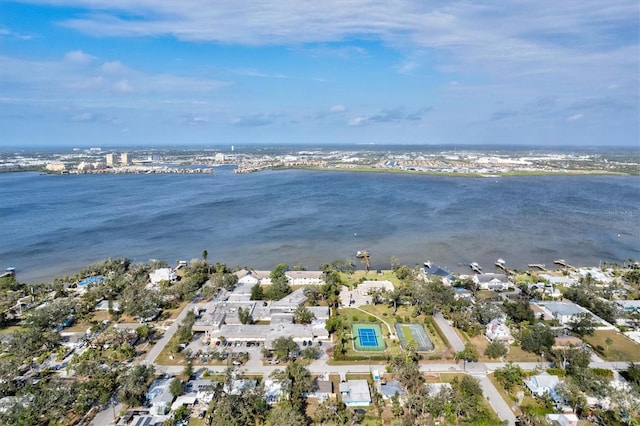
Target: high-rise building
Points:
x,y
110,159
124,159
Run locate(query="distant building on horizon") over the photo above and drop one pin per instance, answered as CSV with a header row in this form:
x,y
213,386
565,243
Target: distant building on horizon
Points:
x,y
124,159
110,159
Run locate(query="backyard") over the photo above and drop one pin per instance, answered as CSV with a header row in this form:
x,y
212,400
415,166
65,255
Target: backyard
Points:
x,y
620,347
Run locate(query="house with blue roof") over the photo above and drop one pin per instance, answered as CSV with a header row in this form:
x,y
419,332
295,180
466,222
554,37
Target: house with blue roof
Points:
x,y
543,384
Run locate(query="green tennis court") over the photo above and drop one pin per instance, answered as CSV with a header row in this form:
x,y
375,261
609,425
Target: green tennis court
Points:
x,y
367,337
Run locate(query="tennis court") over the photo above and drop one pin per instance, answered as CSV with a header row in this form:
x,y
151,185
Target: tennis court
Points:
x,y
367,337
414,333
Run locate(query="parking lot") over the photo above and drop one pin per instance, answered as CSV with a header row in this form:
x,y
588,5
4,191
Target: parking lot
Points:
x,y
222,351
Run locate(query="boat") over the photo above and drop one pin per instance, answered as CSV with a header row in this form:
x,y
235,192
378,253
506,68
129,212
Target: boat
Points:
x,y
362,253
427,264
501,261
476,268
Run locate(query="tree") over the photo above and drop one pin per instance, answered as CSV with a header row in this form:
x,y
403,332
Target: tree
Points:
x,y
403,272
188,370
509,376
582,325
396,408
469,353
244,315
257,293
407,371
285,414
205,254
310,352
537,339
134,385
296,382
334,324
395,262
175,387
283,346
519,312
279,287
303,315
496,349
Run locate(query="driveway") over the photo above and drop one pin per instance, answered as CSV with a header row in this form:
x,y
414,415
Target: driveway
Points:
x,y
449,332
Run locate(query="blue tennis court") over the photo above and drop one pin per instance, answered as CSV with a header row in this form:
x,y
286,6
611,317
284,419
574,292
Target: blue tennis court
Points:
x,y
367,337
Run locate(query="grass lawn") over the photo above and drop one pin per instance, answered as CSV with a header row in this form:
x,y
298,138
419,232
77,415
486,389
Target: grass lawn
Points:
x,y
485,294
11,329
516,354
173,313
351,279
621,349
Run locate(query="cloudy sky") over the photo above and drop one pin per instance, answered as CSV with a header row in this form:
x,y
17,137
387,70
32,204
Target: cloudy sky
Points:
x,y
158,72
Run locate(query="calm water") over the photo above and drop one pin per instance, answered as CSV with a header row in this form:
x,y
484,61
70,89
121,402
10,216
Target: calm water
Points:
x,y
52,225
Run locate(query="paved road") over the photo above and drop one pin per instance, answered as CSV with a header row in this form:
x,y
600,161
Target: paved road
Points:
x,y
449,332
495,400
168,334
106,416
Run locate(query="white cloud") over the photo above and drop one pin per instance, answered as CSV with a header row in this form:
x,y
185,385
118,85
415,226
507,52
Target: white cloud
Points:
x,y
574,117
338,108
357,121
83,117
122,86
78,57
114,67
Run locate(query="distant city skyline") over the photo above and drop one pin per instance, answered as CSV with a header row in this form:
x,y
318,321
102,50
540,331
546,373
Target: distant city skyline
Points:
x,y
152,73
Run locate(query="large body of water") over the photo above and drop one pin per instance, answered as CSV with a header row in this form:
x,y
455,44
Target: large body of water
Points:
x,y
54,225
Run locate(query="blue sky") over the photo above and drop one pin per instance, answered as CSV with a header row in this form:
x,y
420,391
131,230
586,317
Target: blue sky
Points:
x,y
158,72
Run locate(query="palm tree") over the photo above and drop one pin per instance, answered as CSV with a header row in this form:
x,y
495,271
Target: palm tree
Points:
x,y
205,254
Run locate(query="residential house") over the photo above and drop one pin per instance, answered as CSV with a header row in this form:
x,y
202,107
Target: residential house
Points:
x,y
272,391
497,282
355,393
565,419
240,386
245,277
324,390
159,397
390,389
563,280
162,274
497,330
565,312
464,294
543,384
629,305
437,271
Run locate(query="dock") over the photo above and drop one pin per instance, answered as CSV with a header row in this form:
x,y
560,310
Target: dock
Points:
x,y
563,263
9,272
540,266
501,265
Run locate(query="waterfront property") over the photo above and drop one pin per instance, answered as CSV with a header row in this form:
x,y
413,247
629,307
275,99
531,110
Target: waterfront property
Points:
x,y
221,319
492,282
367,337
